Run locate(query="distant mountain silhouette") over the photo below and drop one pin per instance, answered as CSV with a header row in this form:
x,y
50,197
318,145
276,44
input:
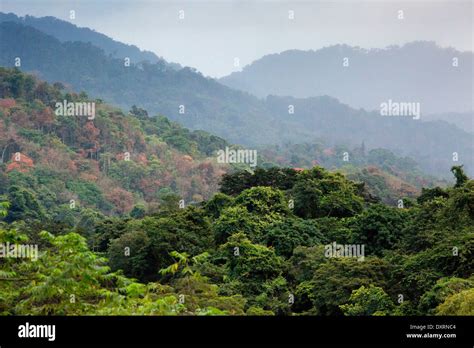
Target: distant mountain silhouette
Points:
x,y
416,72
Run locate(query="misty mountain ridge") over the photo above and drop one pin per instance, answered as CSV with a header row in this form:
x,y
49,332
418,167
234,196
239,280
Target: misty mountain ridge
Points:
x,y
65,31
440,79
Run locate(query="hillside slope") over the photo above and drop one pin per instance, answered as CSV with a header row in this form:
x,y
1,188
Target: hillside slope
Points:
x,y
113,163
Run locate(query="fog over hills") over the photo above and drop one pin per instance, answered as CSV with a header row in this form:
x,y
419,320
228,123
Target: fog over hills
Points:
x,y
440,79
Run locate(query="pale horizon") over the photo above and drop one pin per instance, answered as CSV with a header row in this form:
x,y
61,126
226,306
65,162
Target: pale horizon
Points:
x,y
212,34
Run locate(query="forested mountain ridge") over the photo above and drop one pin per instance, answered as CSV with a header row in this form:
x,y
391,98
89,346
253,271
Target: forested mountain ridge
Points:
x,y
197,102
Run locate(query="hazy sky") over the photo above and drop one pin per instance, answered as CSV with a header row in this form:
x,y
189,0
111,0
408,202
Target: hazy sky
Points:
x,y
214,33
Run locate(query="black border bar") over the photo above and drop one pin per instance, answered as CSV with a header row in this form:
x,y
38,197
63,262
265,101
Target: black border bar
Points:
x,y
241,331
